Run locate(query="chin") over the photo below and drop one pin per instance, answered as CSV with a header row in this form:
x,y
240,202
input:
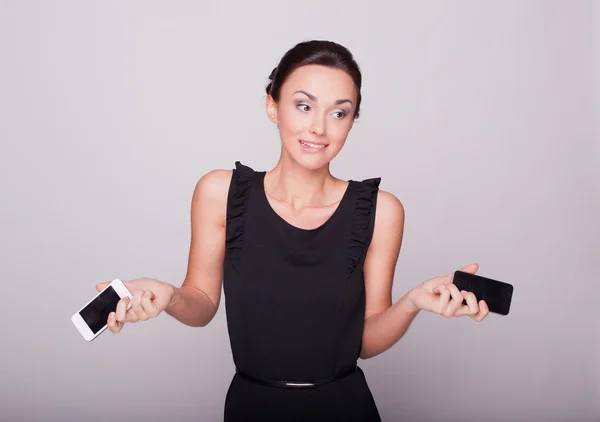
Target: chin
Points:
x,y
312,161
313,164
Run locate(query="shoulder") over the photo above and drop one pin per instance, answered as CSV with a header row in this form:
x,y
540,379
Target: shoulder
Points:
x,y
213,185
389,215
210,195
389,206
388,209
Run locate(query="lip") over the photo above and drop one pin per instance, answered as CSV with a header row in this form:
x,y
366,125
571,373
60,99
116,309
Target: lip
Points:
x,y
312,142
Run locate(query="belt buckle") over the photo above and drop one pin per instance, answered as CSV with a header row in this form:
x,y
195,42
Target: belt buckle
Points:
x,y
292,384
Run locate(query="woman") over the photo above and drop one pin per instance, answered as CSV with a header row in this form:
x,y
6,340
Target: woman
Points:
x,y
307,260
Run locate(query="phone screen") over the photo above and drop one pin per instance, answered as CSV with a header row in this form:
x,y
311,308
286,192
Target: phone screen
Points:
x,y
497,294
95,314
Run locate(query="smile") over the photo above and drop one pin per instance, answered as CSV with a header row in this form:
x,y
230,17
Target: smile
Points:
x,y
311,145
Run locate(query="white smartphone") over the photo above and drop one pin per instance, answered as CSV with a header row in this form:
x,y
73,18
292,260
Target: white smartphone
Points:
x,y
91,319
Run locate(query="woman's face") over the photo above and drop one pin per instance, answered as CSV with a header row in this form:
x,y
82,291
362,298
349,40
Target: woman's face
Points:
x,y
315,112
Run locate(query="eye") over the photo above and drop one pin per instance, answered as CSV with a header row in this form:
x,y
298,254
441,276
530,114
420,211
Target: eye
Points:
x,y
340,114
303,107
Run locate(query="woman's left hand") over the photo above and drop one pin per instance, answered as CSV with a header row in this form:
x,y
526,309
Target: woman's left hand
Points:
x,y
439,295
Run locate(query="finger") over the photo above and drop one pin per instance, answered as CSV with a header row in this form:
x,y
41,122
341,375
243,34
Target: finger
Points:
x,y
102,286
444,298
147,304
136,305
484,311
456,301
471,308
122,309
112,323
471,268
439,288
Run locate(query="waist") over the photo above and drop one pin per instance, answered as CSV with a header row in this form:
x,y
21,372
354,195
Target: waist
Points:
x,y
298,384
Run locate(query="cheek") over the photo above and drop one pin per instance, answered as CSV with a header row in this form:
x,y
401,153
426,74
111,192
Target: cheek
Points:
x,y
291,122
338,131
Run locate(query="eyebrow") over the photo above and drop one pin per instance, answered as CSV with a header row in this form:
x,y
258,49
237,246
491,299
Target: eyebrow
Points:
x,y
313,98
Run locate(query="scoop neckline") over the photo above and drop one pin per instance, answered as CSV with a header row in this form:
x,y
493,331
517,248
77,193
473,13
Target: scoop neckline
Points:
x,y
287,223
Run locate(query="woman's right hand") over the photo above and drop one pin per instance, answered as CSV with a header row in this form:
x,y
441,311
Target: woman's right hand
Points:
x,y
150,298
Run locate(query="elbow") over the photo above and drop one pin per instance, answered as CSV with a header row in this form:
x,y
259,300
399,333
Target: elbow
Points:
x,y
205,322
365,354
202,320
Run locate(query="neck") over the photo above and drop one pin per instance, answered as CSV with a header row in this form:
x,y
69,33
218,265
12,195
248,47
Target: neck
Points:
x,y
298,186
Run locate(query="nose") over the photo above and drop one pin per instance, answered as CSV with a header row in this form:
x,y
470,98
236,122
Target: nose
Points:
x,y
317,125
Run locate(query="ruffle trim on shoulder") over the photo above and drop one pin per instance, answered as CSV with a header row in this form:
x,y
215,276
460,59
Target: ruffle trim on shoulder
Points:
x,y
360,236
237,204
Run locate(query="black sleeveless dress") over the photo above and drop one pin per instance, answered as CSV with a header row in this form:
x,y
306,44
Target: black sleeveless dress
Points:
x,y
295,305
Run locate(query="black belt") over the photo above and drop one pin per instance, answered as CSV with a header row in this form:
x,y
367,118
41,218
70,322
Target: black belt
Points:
x,y
299,384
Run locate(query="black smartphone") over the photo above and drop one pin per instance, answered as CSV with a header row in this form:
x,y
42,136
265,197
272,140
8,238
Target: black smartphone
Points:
x,y
497,294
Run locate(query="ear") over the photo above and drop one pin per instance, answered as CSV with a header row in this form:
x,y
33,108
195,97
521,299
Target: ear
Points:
x,y
271,107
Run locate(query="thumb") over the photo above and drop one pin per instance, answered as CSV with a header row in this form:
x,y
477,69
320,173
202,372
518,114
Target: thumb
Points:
x,y
471,268
102,286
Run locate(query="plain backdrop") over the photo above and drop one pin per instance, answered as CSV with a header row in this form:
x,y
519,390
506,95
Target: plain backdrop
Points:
x,y
481,117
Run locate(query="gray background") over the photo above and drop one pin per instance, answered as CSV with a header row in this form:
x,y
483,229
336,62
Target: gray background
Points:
x,y
482,117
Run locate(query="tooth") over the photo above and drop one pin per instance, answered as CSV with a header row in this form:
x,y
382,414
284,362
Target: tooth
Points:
x,y
312,145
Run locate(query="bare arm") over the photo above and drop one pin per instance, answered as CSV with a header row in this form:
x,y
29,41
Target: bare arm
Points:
x,y
195,303
385,323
